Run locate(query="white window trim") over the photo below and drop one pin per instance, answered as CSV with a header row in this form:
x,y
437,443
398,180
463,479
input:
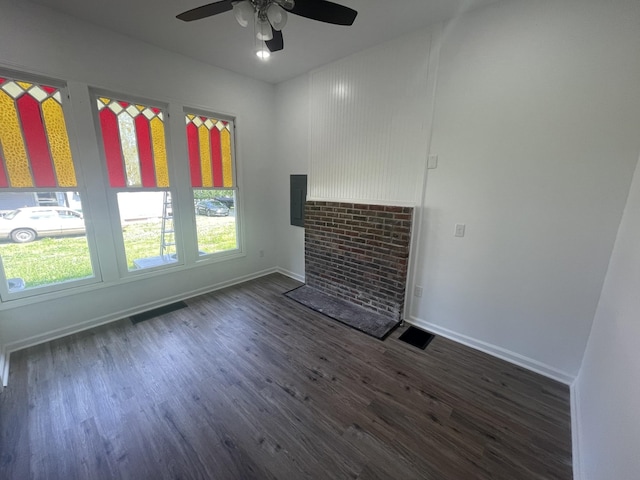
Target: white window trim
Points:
x,y
239,251
112,193
5,295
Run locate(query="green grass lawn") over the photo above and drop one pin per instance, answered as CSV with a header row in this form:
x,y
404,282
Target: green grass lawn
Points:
x,y
58,259
47,260
216,234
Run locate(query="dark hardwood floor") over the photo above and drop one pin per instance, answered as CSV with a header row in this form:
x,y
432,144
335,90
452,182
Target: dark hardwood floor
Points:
x,y
248,384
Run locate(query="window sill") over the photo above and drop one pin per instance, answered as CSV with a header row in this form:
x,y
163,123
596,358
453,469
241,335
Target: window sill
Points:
x,y
99,285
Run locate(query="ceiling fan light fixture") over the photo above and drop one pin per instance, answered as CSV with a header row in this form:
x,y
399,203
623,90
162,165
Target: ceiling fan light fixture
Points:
x,y
277,16
263,30
243,12
263,53
269,17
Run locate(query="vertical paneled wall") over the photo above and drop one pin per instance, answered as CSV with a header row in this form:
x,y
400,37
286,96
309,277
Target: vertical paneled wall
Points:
x,y
369,124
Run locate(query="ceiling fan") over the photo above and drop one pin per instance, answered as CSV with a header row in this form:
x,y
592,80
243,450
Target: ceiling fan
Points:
x,y
270,16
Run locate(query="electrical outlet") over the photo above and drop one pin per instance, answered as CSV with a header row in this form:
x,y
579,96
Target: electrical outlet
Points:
x,y
460,228
418,291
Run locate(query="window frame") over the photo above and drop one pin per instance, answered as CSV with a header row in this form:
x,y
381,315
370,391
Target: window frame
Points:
x,y
238,203
5,295
115,222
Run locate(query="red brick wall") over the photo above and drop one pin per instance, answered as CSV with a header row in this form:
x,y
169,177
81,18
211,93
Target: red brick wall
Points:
x,y
359,253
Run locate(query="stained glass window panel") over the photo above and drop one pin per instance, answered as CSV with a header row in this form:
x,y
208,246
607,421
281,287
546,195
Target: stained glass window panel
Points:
x,y
33,137
134,144
210,153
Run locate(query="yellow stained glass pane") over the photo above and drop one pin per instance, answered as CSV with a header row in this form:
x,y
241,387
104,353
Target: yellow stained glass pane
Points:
x,y
15,153
159,152
25,85
191,117
227,165
129,145
205,157
59,143
140,107
105,100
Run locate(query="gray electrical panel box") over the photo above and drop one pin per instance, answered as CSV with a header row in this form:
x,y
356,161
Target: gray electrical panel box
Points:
x,y
298,199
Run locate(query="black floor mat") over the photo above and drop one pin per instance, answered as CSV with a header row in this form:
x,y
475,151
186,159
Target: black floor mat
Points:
x,y
416,337
156,312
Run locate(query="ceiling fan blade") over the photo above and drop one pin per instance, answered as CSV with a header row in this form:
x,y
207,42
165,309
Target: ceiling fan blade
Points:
x,y
206,11
325,11
276,43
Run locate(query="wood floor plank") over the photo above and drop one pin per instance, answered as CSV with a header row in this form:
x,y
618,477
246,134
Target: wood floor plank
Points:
x,y
15,447
247,384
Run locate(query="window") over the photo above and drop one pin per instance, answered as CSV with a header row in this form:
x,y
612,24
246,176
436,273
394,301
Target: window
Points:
x,y
213,181
135,156
43,242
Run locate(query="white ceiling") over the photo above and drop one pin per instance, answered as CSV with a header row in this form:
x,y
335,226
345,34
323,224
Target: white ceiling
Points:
x,y
220,41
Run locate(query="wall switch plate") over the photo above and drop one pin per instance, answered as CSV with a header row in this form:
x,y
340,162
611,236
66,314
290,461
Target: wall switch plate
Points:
x,y
417,291
460,228
432,162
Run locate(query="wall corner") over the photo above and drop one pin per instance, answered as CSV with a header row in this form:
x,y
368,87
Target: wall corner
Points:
x,y
575,429
4,367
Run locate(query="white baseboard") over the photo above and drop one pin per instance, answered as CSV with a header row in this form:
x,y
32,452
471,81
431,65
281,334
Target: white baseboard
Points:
x,y
575,431
289,274
4,366
499,352
5,350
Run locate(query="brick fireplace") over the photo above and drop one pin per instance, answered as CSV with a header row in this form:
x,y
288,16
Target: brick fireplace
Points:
x,y
359,253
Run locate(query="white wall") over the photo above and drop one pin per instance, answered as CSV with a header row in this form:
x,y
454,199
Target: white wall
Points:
x,y
292,154
607,391
369,124
537,110
536,128
41,41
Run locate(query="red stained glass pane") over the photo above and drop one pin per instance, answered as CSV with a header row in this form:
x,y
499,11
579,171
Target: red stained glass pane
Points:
x,y
145,152
49,90
124,104
155,110
194,155
112,152
2,79
36,142
216,158
4,183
